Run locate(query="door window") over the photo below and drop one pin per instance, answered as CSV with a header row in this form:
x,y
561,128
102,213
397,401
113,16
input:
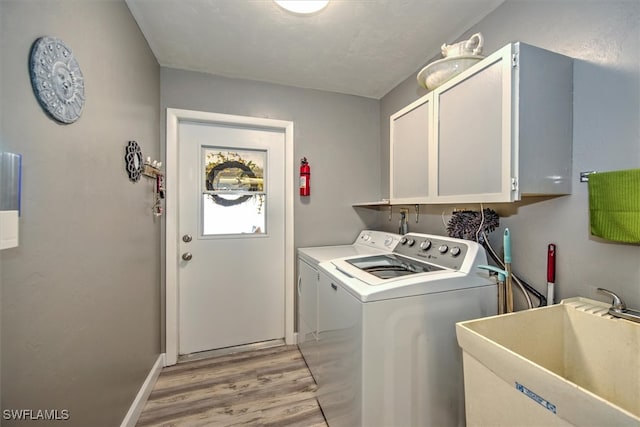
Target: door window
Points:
x,y
234,192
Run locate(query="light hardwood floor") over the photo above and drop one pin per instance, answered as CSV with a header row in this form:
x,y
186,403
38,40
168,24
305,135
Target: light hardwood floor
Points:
x,y
268,387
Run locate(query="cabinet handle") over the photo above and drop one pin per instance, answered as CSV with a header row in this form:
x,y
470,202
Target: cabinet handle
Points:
x,y
299,282
334,287
514,184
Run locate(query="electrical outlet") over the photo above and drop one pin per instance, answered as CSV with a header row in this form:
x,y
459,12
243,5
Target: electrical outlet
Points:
x,y
404,211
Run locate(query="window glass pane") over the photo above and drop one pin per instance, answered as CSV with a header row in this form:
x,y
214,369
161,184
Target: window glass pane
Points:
x,y
233,200
244,217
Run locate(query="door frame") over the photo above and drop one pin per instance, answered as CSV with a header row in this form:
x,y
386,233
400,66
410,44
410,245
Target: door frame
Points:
x,y
174,117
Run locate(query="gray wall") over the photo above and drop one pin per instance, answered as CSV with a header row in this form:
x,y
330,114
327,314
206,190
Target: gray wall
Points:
x,y
81,295
337,133
2,148
604,38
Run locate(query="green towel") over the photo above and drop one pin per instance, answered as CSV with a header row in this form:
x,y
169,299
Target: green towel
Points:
x,y
614,205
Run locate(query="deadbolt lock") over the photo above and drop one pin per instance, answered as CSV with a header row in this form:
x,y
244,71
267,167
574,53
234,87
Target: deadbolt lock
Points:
x,y
187,238
187,256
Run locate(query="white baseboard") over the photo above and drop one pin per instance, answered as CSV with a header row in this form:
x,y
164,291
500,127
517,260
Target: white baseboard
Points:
x,y
137,406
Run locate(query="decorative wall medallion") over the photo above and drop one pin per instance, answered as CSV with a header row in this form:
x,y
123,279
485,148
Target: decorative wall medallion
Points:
x,y
56,79
133,161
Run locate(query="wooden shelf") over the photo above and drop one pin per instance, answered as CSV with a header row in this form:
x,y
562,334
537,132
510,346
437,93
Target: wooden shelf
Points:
x,y
372,204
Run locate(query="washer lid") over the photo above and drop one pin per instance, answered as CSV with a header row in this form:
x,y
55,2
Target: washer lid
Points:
x,y
315,255
390,266
401,287
368,242
389,277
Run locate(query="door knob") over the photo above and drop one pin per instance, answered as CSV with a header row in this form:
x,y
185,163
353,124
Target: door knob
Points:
x,y
187,256
187,238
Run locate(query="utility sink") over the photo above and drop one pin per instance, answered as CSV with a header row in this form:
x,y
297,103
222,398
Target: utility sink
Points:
x,y
566,364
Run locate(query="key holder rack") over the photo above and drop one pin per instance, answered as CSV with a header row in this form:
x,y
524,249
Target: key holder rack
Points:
x,y
152,170
137,167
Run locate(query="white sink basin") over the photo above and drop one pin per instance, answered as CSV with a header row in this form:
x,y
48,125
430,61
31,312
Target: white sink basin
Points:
x,y
442,70
567,364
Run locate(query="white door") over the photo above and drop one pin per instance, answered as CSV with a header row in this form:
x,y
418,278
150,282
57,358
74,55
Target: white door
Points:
x,y
231,228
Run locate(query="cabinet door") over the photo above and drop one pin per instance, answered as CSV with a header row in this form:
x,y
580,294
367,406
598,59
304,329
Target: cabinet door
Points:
x,y
410,133
473,139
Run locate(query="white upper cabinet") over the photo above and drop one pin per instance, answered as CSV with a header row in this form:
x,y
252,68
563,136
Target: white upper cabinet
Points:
x,y
410,140
499,131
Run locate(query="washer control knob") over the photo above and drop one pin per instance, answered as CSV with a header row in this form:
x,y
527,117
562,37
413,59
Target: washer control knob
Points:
x,y
388,241
366,237
411,242
443,249
425,245
403,241
455,251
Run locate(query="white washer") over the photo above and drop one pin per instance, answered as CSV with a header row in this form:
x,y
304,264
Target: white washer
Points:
x,y
387,348
368,242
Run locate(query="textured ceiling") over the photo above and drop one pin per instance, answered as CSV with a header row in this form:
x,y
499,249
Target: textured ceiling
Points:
x,y
358,47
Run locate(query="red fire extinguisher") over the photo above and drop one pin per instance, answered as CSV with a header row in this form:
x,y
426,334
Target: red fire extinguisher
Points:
x,y
305,176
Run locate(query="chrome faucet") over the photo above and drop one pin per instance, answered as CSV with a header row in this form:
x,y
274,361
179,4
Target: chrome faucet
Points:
x,y
619,308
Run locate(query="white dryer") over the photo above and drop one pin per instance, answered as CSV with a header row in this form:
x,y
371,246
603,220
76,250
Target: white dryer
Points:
x,y
368,242
387,348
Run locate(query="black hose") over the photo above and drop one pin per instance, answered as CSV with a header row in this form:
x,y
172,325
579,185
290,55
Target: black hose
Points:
x,y
531,289
474,226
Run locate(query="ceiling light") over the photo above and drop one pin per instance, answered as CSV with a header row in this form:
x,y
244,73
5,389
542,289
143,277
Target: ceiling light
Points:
x,y
302,6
